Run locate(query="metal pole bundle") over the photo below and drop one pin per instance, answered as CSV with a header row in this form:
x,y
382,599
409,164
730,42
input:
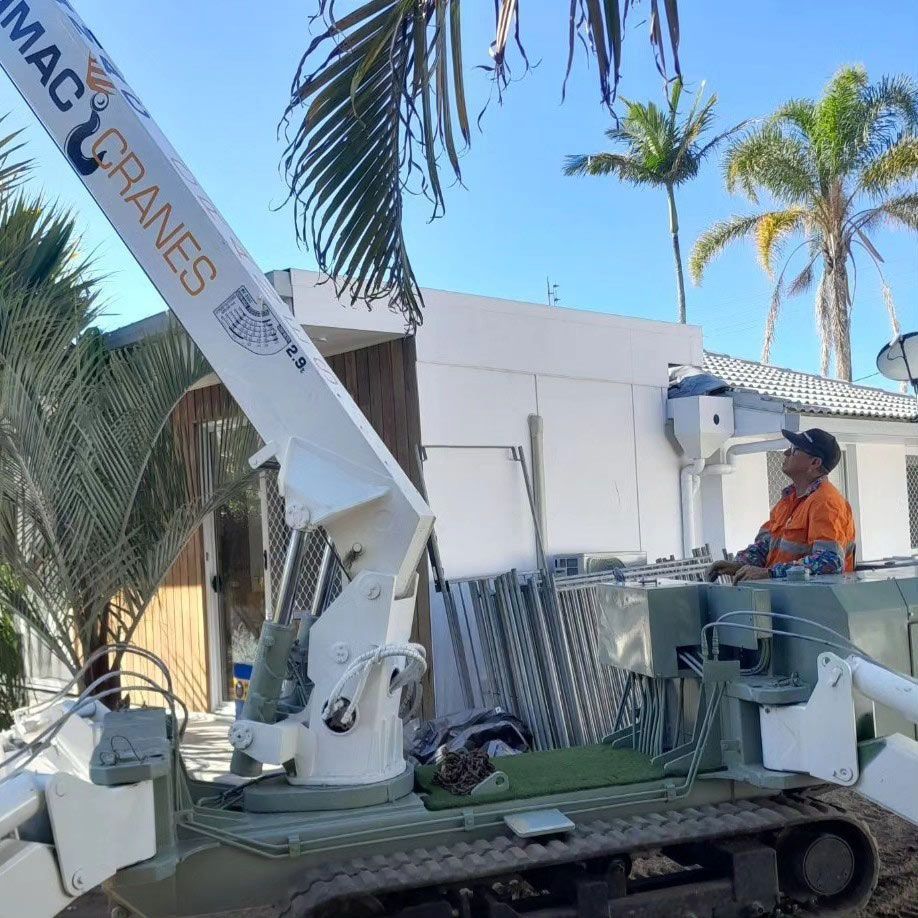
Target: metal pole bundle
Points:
x,y
531,645
539,656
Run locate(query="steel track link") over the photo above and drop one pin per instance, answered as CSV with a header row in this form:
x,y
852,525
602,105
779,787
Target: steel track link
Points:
x,y
419,868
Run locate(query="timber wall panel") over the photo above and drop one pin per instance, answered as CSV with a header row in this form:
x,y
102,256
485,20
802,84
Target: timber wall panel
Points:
x,y
175,624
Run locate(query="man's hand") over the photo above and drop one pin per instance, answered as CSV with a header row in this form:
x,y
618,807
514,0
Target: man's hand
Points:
x,y
719,568
750,572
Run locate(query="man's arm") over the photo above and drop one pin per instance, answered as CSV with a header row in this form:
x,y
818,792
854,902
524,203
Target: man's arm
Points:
x,y
825,558
756,554
753,555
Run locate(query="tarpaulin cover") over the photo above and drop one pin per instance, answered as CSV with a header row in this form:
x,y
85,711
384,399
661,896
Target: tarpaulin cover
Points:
x,y
492,729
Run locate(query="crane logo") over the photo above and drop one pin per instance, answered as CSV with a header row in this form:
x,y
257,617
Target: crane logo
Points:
x,y
97,80
252,324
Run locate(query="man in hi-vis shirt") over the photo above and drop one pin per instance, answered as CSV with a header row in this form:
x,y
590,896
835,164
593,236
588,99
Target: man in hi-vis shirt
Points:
x,y
810,526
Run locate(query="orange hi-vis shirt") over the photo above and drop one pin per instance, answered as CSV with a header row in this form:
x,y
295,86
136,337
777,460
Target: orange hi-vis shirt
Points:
x,y
814,529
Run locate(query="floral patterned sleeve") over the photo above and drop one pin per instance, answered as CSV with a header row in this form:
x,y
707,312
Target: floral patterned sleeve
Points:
x,y
827,561
757,553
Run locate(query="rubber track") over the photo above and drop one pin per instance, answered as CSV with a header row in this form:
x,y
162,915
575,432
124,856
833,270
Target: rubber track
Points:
x,y
474,860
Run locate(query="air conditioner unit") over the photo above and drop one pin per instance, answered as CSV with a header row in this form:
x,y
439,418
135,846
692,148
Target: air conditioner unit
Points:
x,y
595,562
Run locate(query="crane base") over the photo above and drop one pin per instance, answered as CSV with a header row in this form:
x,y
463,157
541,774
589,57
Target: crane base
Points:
x,y
276,795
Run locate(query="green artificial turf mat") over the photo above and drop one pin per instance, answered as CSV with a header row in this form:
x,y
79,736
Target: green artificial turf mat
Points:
x,y
557,771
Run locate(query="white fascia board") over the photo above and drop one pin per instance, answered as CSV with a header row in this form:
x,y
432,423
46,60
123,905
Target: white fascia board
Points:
x,y
857,430
763,415
757,417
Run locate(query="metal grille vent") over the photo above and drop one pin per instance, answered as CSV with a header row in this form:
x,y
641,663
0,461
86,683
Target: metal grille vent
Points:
x,y
277,536
911,478
777,480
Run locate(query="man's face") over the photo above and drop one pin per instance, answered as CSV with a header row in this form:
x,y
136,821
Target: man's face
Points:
x,y
798,464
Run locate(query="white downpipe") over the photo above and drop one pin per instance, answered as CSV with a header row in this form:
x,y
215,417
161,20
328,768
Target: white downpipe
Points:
x,y
689,481
758,446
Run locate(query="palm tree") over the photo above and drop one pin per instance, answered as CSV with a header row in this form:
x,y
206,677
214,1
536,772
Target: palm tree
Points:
x,y
378,100
99,492
837,169
662,151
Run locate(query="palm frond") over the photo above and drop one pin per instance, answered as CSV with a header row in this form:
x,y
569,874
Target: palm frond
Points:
x,y
712,242
803,281
838,129
890,109
895,165
902,209
899,210
603,24
799,115
605,164
379,95
771,321
767,159
773,228
890,303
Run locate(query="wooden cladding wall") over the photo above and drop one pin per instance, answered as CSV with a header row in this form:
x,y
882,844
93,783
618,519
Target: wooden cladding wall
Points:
x,y
382,380
175,624
175,627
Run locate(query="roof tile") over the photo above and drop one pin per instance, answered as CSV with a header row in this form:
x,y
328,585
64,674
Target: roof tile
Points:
x,y
810,393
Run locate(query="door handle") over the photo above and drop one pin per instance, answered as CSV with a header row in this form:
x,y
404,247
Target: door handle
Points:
x,y
216,583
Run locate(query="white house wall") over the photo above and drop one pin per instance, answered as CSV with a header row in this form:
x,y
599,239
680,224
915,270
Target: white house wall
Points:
x,y
599,384
880,500
484,523
745,501
460,329
657,464
590,471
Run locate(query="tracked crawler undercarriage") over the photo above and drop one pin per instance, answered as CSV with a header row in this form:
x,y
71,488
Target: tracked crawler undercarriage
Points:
x,y
727,859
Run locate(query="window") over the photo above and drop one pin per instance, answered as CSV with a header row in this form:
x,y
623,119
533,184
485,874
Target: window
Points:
x,y
911,478
778,481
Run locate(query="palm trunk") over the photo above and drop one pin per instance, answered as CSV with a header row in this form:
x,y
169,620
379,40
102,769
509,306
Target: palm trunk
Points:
x,y
677,253
98,638
842,307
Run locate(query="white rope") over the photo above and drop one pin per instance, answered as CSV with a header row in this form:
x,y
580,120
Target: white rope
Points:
x,y
415,654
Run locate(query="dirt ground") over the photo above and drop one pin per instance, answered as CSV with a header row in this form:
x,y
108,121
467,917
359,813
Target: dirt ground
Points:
x,y
896,895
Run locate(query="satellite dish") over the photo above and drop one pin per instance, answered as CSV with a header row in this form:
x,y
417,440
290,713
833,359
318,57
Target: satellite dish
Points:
x,y
899,359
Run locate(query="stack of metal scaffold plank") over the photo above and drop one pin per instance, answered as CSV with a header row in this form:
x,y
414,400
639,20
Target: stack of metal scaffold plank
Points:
x,y
529,643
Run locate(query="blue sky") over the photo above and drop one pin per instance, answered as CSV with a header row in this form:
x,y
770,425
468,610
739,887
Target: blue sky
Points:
x,y
215,75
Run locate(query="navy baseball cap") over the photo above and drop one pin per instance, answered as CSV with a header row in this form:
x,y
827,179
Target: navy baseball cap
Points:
x,y
818,443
